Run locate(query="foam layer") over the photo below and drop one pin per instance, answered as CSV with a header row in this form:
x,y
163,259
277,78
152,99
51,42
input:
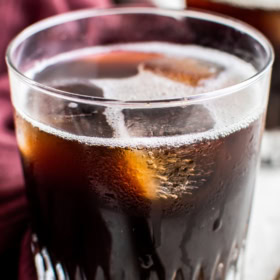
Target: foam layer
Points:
x,y
230,114
148,85
149,142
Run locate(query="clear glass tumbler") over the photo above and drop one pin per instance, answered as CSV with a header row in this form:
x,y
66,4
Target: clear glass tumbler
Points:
x,y
139,131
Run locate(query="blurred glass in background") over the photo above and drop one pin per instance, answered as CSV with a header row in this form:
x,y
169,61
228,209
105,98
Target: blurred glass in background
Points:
x,y
265,16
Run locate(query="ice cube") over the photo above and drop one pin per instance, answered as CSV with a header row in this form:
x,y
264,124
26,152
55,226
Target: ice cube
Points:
x,y
168,121
184,70
73,117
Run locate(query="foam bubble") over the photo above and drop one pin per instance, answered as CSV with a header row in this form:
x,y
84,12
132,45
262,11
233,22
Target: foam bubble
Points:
x,y
115,119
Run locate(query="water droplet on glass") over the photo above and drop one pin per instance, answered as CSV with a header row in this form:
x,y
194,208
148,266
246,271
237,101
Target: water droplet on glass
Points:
x,y
220,271
217,224
146,261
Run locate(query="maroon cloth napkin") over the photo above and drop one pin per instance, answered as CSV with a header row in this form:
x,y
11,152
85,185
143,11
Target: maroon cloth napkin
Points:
x,y
15,256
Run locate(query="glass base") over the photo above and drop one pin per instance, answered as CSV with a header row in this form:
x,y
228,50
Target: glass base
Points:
x,y
47,270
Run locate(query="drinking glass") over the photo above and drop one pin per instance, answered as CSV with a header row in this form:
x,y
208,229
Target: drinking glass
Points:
x,y
139,179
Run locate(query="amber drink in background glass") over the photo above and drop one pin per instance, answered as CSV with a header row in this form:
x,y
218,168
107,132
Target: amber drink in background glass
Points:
x,y
265,16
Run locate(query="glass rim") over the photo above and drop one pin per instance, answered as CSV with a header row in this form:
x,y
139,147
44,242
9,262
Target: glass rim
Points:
x,y
93,12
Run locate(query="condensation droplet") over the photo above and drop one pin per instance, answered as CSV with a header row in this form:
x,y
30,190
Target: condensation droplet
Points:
x,y
146,261
217,224
220,271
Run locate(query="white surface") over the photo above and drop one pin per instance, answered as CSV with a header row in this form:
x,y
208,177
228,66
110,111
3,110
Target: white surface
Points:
x,y
170,4
263,246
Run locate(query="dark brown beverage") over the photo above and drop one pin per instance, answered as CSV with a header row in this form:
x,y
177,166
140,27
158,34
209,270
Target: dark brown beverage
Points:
x,y
265,16
143,193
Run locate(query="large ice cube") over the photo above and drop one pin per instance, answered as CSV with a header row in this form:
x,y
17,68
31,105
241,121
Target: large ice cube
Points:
x,y
168,121
73,117
184,70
